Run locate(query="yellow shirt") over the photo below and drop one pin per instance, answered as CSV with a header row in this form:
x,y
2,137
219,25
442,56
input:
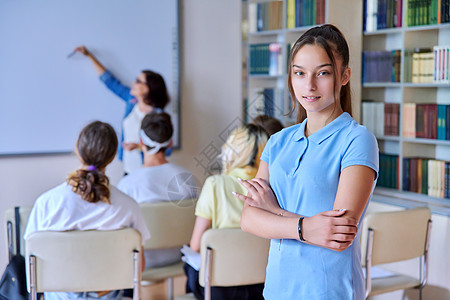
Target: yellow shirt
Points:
x,y
218,204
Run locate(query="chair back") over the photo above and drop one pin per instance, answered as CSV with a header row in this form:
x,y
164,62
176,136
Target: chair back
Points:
x,y
10,226
232,257
76,261
397,235
170,223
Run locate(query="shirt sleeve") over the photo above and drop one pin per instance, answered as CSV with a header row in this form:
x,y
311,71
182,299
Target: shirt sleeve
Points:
x,y
33,220
115,86
140,225
362,150
206,199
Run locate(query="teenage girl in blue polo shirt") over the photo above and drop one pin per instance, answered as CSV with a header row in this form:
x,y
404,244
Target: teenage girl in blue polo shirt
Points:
x,y
148,92
315,180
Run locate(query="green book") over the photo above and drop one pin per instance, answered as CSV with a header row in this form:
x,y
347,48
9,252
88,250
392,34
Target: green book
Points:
x,y
424,176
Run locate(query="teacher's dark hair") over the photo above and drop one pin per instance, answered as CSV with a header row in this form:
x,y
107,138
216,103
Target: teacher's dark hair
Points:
x,y
157,94
96,148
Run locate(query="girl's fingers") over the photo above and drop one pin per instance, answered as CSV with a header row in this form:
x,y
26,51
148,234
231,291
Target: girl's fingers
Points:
x,y
248,185
246,199
262,183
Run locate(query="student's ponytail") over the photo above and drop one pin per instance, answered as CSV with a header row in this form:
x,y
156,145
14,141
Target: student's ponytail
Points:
x,y
96,148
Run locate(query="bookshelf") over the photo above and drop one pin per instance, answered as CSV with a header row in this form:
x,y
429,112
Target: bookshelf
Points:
x,y
410,38
265,89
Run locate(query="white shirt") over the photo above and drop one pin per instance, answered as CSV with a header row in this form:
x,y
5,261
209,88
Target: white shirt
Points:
x,y
167,182
132,160
60,209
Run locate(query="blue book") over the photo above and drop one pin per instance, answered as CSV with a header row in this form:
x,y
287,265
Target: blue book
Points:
x,y
406,174
441,116
269,102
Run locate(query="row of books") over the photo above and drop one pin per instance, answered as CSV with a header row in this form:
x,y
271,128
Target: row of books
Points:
x,y
265,59
428,121
388,176
382,119
305,13
265,16
381,66
381,14
426,65
426,176
427,12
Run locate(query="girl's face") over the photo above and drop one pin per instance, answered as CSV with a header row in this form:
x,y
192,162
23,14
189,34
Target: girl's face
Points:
x,y
313,80
139,89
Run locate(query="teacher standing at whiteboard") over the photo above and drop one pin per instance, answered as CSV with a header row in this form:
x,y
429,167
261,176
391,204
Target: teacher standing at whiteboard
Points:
x,y
147,93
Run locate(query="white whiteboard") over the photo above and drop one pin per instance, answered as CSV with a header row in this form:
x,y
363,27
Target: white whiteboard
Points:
x,y
47,98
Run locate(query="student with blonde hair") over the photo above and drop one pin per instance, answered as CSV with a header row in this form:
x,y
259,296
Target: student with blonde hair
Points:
x,y
218,208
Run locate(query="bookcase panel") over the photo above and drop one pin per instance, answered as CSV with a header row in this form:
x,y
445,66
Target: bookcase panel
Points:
x,y
419,150
389,147
419,95
422,39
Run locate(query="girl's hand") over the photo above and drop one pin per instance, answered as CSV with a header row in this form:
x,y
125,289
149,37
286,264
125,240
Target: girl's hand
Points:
x,y
259,195
82,49
130,146
330,229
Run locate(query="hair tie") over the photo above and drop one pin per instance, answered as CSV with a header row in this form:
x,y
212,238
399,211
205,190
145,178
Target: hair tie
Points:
x,y
92,168
155,146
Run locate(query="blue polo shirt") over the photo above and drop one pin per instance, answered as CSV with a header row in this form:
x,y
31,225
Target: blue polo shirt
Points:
x,y
304,175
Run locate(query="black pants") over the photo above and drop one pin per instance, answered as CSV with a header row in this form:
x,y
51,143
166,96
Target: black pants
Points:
x,y
242,292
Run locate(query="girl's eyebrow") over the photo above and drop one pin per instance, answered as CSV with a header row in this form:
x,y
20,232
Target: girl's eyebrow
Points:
x,y
318,67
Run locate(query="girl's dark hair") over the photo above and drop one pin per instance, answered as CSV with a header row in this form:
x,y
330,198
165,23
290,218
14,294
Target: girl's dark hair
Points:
x,y
270,124
96,148
157,94
158,127
331,39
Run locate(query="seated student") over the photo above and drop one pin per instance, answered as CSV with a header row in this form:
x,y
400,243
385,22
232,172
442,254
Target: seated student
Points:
x,y
218,208
270,124
87,201
158,180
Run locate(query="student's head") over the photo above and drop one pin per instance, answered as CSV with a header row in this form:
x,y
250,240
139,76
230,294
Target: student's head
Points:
x,y
270,124
318,72
150,87
156,132
96,148
243,147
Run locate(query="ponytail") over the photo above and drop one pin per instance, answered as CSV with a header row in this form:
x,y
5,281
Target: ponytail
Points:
x,y
92,186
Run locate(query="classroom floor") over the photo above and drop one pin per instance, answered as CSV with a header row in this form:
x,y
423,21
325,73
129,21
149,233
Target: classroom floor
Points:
x,y
159,291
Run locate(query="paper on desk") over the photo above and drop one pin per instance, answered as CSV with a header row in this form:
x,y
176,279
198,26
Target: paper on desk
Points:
x,y
191,257
376,272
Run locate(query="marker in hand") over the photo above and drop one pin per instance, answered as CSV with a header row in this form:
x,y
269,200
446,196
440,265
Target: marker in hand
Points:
x,y
71,54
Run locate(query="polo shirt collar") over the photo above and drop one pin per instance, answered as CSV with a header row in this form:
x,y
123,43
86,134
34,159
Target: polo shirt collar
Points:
x,y
321,135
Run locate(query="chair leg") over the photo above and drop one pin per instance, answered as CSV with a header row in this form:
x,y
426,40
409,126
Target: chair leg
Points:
x,y
170,283
32,265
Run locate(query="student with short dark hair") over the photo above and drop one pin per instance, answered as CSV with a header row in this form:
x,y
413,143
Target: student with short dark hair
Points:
x,y
158,179
87,201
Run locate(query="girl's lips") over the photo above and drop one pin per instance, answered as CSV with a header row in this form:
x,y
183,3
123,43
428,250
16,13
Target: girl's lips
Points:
x,y
311,98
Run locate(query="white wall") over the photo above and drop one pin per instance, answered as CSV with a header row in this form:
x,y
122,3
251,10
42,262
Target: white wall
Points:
x,y
210,100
